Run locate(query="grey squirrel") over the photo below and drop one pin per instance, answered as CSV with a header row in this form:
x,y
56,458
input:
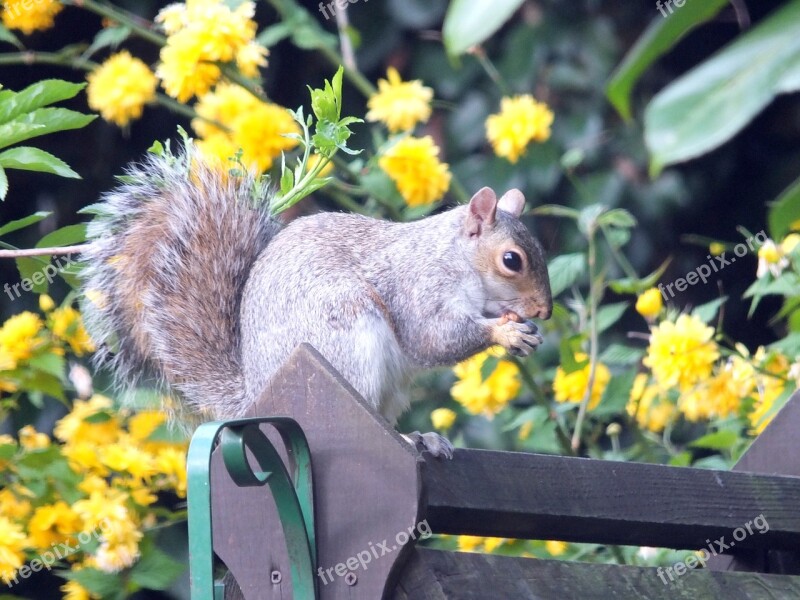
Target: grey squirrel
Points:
x,y
190,283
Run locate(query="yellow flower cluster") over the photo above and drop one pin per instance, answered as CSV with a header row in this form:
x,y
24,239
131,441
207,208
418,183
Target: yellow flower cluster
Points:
x,y
201,34
120,87
399,104
413,164
476,543
521,120
28,16
682,353
571,387
443,418
257,128
121,468
485,396
651,409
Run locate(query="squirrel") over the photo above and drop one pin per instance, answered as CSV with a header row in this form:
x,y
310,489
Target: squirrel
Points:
x,y
191,283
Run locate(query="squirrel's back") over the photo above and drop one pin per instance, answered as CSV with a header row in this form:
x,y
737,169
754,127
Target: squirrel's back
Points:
x,y
171,249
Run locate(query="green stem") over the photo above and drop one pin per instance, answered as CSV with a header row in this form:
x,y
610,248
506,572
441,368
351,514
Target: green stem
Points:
x,y
622,261
47,58
491,71
594,296
346,202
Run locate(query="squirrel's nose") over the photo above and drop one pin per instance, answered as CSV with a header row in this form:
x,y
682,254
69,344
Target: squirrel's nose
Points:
x,y
543,311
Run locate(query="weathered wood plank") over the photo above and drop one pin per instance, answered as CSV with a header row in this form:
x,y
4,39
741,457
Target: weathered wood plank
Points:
x,y
365,489
774,452
581,500
438,575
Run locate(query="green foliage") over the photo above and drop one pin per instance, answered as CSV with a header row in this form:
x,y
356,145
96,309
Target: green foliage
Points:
x,y
709,105
23,115
470,22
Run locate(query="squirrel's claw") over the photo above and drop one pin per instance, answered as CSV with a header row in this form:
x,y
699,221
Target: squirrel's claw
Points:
x,y
520,339
437,445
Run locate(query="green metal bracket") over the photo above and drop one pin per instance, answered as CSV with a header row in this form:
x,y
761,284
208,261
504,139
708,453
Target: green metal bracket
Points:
x,y
293,495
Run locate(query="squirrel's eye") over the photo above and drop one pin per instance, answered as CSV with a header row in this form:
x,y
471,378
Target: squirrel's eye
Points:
x,y
512,261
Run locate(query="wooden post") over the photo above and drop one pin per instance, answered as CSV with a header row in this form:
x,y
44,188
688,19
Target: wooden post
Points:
x,y
775,452
365,489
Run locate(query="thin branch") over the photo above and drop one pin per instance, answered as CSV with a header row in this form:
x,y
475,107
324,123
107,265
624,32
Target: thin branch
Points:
x,y
57,251
343,24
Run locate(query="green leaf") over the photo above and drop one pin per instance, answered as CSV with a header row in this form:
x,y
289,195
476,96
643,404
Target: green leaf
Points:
x,y
567,350
609,314
628,285
37,95
7,36
12,226
565,270
3,184
273,34
108,37
715,100
470,22
619,354
661,36
616,395
556,210
719,440
790,345
784,211
41,122
100,583
706,312
617,217
33,159
155,570
65,236
49,363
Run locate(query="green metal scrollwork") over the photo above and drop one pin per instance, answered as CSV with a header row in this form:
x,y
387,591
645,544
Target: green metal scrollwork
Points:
x,y
293,495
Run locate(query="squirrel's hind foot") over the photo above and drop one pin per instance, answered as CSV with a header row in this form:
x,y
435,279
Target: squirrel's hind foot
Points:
x,y
435,444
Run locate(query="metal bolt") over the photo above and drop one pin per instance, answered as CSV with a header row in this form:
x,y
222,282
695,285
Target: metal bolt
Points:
x,y
351,578
275,577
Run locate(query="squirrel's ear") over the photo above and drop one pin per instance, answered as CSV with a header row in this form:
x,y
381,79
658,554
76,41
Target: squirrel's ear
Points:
x,y
512,202
481,211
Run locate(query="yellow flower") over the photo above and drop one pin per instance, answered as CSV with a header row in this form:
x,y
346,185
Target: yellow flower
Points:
x,y
119,546
66,324
12,506
490,396
651,411
18,336
30,439
681,353
649,303
12,546
555,548
171,462
716,248
520,121
201,33
144,423
29,16
443,418
413,164
767,388
771,260
74,427
257,127
182,71
7,363
125,457
74,591
46,303
400,104
120,87
53,524
571,387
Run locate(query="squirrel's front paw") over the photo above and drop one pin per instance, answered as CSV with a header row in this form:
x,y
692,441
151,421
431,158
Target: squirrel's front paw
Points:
x,y
438,445
520,339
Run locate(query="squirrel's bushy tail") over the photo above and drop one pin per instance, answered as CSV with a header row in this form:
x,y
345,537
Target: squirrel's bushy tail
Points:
x,y
171,249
